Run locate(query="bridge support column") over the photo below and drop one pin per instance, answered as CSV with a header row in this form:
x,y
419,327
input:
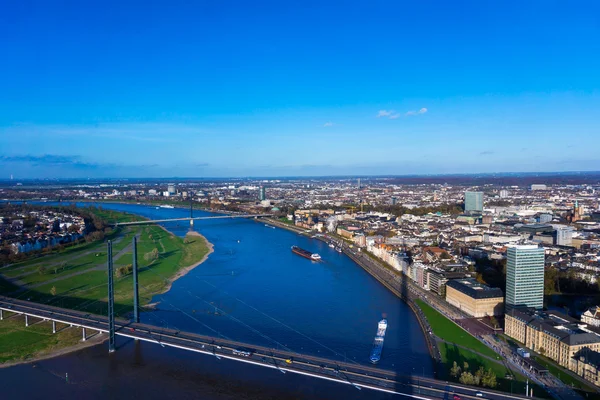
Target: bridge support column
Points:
x,y
136,297
83,334
1,315
111,302
191,223
53,326
26,320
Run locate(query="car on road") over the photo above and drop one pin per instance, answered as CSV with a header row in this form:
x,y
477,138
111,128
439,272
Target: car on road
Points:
x,y
456,397
289,360
479,394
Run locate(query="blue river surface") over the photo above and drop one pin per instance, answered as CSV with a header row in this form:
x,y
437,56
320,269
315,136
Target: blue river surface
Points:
x,y
263,294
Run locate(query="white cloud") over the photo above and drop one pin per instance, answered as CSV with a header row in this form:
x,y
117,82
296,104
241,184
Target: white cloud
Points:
x,y
394,116
384,113
421,111
328,124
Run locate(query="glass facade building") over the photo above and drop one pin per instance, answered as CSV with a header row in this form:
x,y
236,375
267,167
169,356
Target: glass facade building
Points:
x,y
474,201
525,277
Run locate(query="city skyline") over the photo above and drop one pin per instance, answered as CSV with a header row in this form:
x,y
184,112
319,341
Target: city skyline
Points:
x,y
309,91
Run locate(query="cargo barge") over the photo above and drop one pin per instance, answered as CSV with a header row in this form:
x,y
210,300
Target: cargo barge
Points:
x,y
306,253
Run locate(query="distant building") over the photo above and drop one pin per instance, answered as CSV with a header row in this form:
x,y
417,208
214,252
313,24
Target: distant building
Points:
x,y
543,218
525,276
503,193
564,235
474,201
538,187
591,316
474,298
262,195
171,190
394,201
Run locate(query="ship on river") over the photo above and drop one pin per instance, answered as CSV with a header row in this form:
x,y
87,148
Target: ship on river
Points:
x,y
306,253
378,342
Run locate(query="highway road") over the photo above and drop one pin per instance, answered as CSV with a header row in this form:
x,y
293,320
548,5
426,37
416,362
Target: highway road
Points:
x,y
358,375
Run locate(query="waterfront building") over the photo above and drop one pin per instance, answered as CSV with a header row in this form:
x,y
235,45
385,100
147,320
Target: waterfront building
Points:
x,y
556,336
525,276
538,187
476,299
473,201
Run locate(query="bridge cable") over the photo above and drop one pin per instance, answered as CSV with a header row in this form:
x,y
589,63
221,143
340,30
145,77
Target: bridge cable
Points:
x,y
281,323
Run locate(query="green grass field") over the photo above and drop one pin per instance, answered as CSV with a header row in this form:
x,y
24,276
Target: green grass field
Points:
x,y
450,332
18,342
78,279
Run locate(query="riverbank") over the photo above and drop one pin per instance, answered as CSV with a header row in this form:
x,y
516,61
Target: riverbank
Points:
x,y
392,281
80,283
185,270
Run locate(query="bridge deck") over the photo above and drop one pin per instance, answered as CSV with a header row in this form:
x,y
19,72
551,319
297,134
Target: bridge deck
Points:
x,y
357,375
156,221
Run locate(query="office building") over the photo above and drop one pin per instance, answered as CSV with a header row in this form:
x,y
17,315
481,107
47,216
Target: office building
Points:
x,y
525,276
564,235
474,298
474,201
538,187
171,190
262,195
503,194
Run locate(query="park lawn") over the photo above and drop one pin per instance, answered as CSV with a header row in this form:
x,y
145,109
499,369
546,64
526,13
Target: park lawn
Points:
x,y
451,353
68,257
88,290
450,332
22,343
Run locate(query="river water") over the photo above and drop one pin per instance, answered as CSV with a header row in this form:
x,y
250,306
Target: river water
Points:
x,y
251,289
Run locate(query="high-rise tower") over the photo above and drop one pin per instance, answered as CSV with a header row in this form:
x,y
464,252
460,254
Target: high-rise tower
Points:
x,y
525,277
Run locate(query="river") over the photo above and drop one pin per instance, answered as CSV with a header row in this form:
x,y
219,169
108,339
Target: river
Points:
x,y
251,289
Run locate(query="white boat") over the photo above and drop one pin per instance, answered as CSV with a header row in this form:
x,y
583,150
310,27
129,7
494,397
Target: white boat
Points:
x,y
166,206
315,257
331,245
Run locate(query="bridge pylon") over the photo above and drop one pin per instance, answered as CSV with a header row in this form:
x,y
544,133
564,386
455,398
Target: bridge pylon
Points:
x,y
111,301
136,296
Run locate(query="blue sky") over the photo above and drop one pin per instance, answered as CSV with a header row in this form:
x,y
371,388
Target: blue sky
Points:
x,y
225,88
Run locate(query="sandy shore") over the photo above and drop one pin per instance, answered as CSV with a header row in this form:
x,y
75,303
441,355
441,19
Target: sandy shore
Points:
x,y
184,271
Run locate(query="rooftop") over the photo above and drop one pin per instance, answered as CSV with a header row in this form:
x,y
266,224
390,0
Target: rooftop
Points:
x,y
474,289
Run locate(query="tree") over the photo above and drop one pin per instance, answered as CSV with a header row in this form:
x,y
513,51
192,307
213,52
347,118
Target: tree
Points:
x,y
53,291
489,379
493,321
151,256
467,378
455,370
41,270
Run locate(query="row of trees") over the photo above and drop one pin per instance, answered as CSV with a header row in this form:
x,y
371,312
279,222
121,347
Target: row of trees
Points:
x,y
480,378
